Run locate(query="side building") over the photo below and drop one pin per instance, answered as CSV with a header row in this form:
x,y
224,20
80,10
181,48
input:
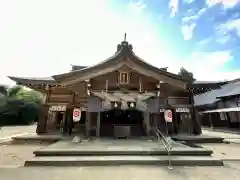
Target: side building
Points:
x,y
122,91
220,107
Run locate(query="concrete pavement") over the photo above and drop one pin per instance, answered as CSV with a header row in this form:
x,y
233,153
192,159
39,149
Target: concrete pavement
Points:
x,y
7,132
228,136
230,171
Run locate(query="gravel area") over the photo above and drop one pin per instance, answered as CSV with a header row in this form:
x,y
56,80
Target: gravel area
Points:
x,y
14,155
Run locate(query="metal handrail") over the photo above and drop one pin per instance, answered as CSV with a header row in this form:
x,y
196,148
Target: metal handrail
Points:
x,y
167,146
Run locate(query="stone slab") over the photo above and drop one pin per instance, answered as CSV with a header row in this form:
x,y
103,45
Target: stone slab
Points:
x,y
124,160
36,137
198,139
118,147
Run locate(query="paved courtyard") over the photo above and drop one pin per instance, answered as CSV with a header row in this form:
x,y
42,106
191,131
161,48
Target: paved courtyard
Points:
x,y
222,134
14,155
230,171
7,132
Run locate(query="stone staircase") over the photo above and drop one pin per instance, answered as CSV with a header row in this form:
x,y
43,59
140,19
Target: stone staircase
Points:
x,y
123,160
111,152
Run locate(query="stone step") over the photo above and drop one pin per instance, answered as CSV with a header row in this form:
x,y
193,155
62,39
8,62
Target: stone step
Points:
x,y
160,152
198,139
124,160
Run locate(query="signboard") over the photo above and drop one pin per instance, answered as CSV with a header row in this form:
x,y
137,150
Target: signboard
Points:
x,y
83,109
187,110
76,114
161,110
57,108
168,115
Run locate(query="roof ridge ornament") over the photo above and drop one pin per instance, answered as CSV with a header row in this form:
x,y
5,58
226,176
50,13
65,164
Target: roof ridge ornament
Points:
x,y
125,37
124,44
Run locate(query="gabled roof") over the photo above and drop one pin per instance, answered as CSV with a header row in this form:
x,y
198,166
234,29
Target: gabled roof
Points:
x,y
232,88
123,56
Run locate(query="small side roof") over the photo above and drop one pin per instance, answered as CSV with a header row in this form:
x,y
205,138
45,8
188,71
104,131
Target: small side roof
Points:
x,y
231,88
209,82
235,109
233,92
33,80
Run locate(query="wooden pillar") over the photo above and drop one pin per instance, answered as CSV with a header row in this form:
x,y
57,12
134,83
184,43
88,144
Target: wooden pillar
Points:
x,y
42,119
98,124
64,122
210,120
43,113
147,123
196,124
88,123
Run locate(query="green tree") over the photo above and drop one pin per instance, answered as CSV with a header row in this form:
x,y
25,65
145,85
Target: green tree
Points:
x,y
186,75
29,96
20,106
12,92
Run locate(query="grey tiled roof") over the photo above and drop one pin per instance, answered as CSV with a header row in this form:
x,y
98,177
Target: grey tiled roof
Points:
x,y
234,91
38,78
212,96
208,82
35,80
124,49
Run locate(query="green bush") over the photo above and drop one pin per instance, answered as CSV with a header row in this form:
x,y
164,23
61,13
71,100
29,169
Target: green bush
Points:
x,y
17,112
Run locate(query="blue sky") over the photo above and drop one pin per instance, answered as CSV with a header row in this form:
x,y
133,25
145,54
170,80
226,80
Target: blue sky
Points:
x,y
43,38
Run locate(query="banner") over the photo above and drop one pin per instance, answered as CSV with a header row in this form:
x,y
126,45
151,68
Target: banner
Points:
x,y
184,110
168,115
76,114
57,108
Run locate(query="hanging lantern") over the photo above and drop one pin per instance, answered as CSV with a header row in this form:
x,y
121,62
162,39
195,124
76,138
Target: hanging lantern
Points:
x,y
132,104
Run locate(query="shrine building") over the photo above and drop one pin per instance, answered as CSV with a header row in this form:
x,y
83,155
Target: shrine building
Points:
x,y
120,95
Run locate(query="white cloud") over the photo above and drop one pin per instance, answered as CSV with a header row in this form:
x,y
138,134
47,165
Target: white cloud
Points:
x,y
231,25
173,4
209,66
226,3
187,31
136,7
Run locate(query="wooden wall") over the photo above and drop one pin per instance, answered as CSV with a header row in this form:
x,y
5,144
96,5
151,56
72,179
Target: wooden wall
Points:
x,y
59,95
76,94
99,83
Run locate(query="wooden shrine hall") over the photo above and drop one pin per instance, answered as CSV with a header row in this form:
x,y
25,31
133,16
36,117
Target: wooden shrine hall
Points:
x,y
123,95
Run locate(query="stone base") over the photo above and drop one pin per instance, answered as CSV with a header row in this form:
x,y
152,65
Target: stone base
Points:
x,y
198,139
124,160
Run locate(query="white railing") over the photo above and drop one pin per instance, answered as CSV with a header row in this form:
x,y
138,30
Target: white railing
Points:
x,y
167,146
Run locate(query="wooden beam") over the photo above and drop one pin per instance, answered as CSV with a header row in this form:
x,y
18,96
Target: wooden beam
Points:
x,y
129,63
93,74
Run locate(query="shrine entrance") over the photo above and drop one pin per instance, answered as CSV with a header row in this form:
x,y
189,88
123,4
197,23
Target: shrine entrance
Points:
x,y
122,123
